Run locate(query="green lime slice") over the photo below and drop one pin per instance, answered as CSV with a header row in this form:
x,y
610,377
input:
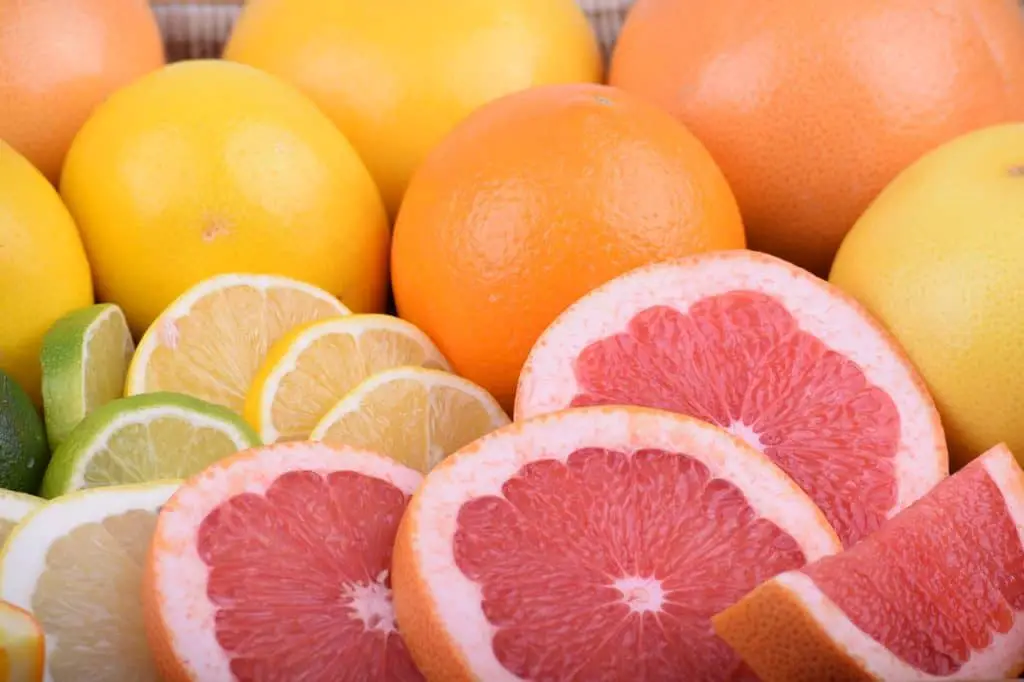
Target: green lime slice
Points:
x,y
144,438
23,449
85,357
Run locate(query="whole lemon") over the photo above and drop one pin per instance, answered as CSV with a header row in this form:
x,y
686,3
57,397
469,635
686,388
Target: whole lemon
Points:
x,y
396,76
43,271
937,258
206,167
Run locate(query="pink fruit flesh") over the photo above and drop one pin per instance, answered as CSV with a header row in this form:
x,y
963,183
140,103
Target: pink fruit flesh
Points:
x,y
300,579
609,567
740,360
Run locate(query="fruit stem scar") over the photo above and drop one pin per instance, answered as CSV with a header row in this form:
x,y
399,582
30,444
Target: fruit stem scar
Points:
x,y
1015,171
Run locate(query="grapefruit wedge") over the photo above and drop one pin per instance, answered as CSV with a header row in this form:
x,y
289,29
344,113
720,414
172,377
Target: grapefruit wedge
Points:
x,y
273,564
594,544
937,593
767,351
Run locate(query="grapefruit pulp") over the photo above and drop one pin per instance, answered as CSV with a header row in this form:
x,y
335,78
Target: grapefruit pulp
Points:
x,y
594,543
937,593
273,564
767,351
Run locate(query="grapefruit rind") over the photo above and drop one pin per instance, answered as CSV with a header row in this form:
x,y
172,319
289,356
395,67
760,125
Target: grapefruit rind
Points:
x,y
790,627
179,616
548,383
439,608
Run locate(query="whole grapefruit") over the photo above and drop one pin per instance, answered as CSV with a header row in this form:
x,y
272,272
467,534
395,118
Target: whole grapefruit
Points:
x,y
207,167
812,107
43,271
396,76
937,258
534,200
58,60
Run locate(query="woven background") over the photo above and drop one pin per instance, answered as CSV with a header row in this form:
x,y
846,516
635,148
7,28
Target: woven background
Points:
x,y
196,29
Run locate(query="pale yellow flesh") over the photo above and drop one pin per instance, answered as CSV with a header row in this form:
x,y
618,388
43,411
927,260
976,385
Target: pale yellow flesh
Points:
x,y
21,646
108,351
5,530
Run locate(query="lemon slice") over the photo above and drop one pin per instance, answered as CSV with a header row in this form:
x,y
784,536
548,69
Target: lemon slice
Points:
x,y
13,508
211,340
414,415
314,366
76,565
22,645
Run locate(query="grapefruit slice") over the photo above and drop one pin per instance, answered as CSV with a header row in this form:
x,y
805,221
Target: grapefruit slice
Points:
x,y
273,564
771,353
937,593
594,544
22,645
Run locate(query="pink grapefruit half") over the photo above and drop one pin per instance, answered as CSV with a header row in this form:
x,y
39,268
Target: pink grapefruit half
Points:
x,y
767,351
594,544
274,565
937,593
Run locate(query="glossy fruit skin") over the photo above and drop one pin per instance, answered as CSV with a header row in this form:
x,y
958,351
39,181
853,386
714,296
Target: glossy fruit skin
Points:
x,y
397,76
534,200
43,271
812,107
59,59
937,259
209,167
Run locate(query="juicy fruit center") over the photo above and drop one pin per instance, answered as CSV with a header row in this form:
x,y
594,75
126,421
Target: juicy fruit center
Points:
x,y
610,565
741,361
370,603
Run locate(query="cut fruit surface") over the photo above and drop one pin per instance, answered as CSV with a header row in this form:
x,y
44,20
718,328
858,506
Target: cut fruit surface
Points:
x,y
274,564
210,342
144,438
22,645
14,507
413,415
313,367
937,593
767,351
594,543
76,565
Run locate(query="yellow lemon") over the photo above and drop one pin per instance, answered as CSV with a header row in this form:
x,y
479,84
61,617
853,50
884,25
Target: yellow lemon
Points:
x,y
937,258
396,76
207,167
43,270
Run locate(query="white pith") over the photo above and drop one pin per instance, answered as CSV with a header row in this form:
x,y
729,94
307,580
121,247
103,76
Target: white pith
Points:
x,y
548,381
180,575
484,466
16,506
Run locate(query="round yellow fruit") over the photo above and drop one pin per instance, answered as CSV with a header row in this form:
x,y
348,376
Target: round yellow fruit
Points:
x,y
396,76
939,259
209,167
43,271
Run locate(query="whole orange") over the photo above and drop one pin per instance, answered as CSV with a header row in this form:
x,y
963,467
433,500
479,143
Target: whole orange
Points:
x,y
534,200
812,107
58,60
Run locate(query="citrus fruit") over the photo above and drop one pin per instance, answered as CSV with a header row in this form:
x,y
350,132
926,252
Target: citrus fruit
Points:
x,y
76,565
594,544
396,77
812,107
935,592
278,559
414,415
85,357
152,437
58,61
43,270
936,258
525,207
13,508
210,341
206,167
315,365
767,351
24,452
22,645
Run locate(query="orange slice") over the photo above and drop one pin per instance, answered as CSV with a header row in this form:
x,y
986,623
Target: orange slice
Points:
x,y
22,645
594,544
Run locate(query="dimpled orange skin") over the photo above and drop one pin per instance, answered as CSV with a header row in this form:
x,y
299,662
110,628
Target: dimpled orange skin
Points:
x,y
61,58
812,107
534,200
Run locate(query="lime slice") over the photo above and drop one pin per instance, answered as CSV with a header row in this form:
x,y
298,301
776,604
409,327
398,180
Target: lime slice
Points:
x,y
76,566
145,438
13,508
23,449
85,357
